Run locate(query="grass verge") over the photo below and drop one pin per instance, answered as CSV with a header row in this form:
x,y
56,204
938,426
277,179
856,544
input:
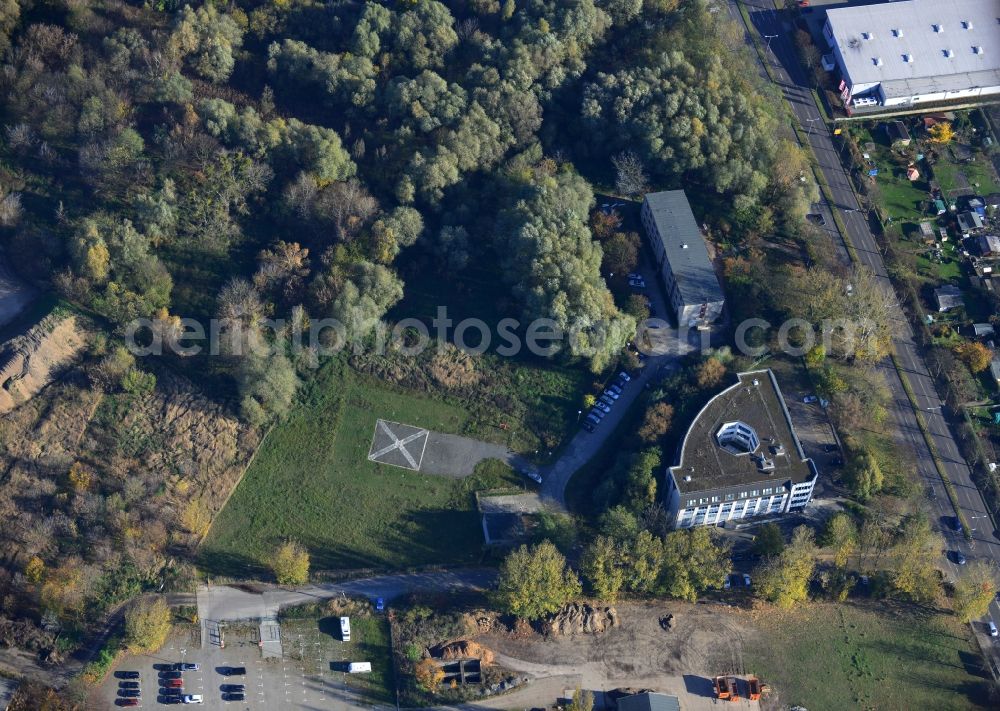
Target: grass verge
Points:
x,y
868,656
938,464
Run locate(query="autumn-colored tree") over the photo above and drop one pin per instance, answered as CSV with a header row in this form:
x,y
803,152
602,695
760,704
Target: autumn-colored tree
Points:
x,y
589,400
916,543
974,354
34,569
80,477
196,517
147,625
941,133
290,563
841,536
535,581
711,372
604,224
784,580
429,675
974,591
656,422
583,700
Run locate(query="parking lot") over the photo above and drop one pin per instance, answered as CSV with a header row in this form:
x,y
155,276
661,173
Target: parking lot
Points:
x,y
310,675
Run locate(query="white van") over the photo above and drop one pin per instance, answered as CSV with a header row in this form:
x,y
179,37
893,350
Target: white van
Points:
x,y
345,629
359,667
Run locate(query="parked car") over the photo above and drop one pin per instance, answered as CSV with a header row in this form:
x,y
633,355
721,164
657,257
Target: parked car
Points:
x,y
611,394
956,524
587,425
126,702
809,399
603,407
232,671
607,400
830,448
192,699
130,693
615,389
128,684
993,629
187,666
637,283
170,675
232,687
379,604
746,579
173,683
727,584
634,275
126,675
624,377
533,475
599,414
234,697
171,691
593,418
169,700
959,557
816,218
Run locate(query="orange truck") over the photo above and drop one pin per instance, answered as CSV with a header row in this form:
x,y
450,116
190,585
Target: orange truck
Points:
x,y
734,689
755,688
723,689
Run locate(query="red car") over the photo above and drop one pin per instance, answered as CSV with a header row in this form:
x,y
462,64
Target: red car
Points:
x,y
173,683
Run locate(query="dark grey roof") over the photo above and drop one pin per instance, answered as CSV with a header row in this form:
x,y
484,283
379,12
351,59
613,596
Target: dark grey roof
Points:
x,y
691,267
648,701
756,401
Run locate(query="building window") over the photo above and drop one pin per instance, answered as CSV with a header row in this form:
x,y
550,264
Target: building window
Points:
x,y
755,492
743,494
730,497
692,502
702,501
767,491
715,499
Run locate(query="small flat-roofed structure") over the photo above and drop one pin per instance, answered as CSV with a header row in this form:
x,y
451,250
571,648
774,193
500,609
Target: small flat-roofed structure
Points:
x,y
649,701
901,54
981,330
740,458
682,258
948,297
995,370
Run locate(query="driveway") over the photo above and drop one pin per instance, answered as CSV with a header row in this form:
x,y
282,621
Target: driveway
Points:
x,y
217,603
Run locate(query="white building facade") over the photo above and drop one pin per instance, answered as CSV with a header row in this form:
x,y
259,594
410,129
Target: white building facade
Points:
x,y
906,54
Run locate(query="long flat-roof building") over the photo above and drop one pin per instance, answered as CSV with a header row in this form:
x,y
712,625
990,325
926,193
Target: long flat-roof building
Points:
x,y
740,458
682,258
903,54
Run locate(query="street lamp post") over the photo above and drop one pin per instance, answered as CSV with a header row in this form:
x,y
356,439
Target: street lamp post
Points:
x,y
769,38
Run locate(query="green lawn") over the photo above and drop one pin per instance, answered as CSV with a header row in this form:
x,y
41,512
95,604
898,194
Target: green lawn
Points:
x,y
311,481
978,171
316,640
868,656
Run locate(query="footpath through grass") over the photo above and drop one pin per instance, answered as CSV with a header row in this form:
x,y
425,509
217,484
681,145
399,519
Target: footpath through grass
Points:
x,y
312,481
869,655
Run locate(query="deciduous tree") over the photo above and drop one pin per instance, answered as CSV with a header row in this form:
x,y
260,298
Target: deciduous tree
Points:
x,y
290,563
147,625
535,581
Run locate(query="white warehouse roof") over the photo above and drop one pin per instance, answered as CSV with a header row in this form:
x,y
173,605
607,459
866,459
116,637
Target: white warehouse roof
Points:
x,y
919,46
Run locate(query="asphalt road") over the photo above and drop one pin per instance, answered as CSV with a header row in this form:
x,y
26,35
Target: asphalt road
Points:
x,y
793,82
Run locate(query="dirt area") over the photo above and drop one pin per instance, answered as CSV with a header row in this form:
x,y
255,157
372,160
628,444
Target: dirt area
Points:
x,y
704,640
30,361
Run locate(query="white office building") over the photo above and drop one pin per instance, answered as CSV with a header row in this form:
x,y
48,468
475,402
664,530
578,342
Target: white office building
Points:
x,y
740,458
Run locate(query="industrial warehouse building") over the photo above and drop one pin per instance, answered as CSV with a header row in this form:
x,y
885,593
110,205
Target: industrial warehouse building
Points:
x,y
740,458
904,54
682,258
